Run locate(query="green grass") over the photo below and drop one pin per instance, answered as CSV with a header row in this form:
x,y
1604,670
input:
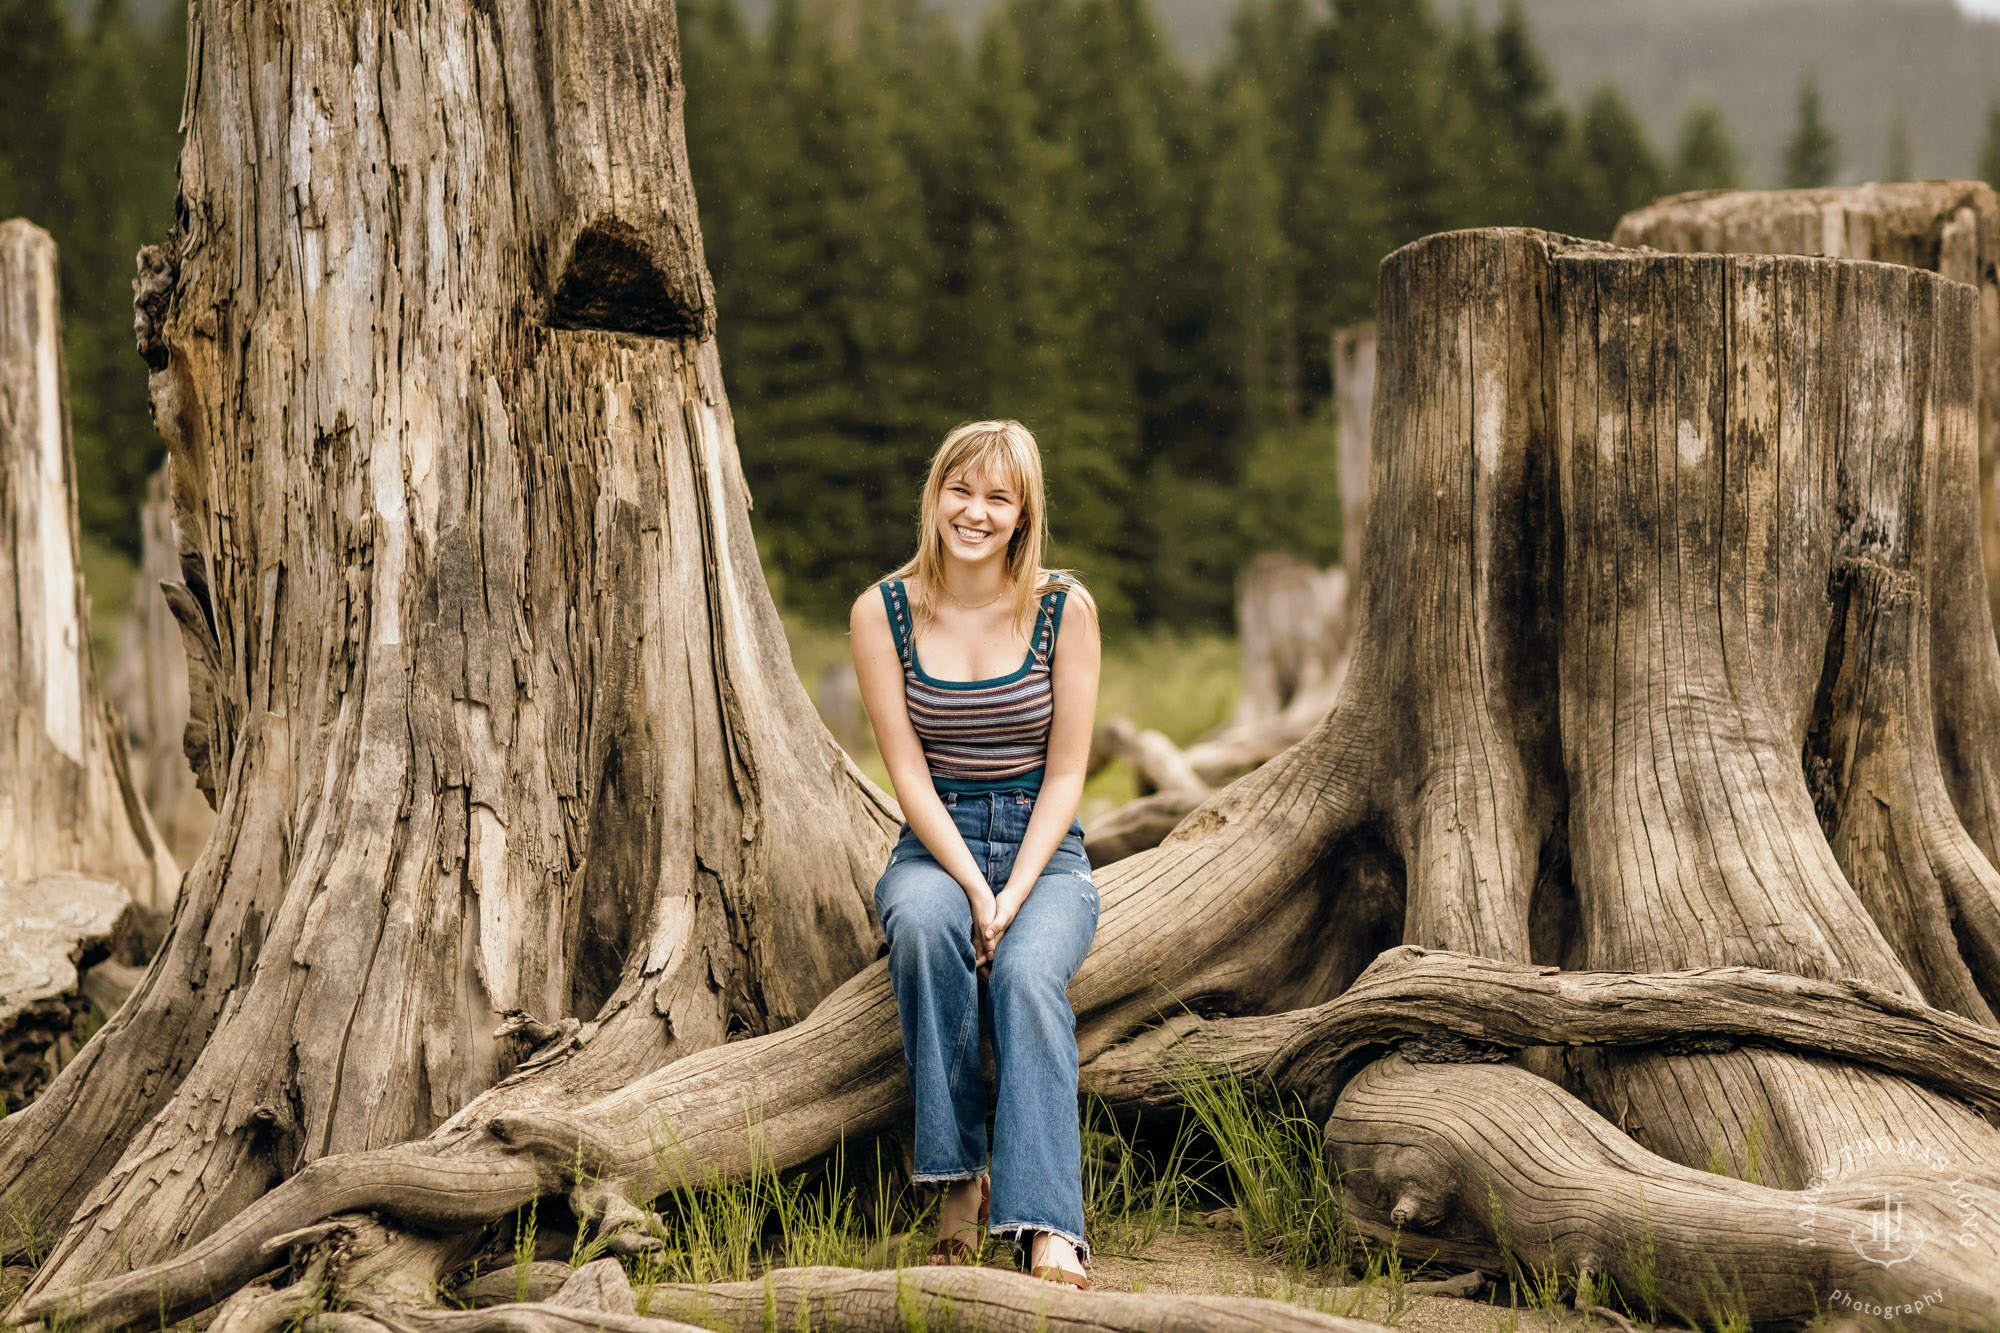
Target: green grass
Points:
x,y
1130,1196
1234,1144
737,1230
1273,1160
108,579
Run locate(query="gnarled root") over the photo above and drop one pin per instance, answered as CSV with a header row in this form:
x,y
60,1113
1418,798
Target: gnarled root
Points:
x,y
984,1298
1429,999
598,1298
1486,1163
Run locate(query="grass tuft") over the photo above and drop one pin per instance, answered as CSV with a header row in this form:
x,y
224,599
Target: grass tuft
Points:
x,y
1274,1161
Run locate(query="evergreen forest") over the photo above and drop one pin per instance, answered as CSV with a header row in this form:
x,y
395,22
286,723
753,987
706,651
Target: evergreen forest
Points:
x,y
1053,217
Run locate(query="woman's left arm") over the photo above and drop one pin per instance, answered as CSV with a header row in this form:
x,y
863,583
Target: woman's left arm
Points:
x,y
1074,672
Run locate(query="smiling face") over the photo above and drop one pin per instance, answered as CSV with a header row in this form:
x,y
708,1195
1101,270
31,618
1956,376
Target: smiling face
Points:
x,y
981,515
978,513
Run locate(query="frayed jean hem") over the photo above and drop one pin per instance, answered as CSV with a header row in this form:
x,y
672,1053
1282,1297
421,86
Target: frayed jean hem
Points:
x,y
945,1177
1015,1230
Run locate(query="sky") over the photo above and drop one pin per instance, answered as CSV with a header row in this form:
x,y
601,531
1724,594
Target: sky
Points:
x,y
1981,7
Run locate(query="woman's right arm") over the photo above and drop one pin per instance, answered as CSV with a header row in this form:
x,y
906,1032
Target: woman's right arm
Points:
x,y
880,673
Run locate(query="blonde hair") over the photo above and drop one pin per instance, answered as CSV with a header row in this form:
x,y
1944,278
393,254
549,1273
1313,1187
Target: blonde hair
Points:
x,y
1004,451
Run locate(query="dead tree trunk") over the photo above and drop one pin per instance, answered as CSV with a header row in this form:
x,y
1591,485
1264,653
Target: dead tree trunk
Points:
x,y
148,684
1354,406
76,844
485,677
66,798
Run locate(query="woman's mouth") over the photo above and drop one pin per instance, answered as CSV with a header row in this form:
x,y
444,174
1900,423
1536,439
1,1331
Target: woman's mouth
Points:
x,y
971,536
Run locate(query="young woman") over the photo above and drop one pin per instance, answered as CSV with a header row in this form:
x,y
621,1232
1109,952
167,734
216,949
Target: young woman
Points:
x,y
979,670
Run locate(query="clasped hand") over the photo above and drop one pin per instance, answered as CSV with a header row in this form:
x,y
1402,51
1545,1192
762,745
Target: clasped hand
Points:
x,y
992,913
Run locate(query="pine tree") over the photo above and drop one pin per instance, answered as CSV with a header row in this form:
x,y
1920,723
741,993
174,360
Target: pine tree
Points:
x,y
1989,151
1391,56
1897,158
1706,158
1114,97
1621,171
1523,108
1025,299
36,62
119,175
1812,154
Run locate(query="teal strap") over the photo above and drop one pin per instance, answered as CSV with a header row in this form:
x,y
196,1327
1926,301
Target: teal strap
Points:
x,y
898,603
1061,598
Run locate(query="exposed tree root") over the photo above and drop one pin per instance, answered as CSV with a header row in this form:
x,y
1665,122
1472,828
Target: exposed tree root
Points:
x,y
1422,1000
1488,1163
970,1298
597,1298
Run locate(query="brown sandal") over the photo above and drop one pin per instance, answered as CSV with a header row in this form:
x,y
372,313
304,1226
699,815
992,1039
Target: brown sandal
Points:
x,y
1051,1272
949,1251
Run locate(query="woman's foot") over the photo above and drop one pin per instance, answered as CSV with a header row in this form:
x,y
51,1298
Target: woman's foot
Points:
x,y
1053,1257
960,1216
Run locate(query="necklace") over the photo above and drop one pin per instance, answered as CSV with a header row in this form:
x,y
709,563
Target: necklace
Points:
x,y
963,606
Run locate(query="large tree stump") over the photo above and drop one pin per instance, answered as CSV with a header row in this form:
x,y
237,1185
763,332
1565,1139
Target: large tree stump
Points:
x,y
52,925
148,684
485,677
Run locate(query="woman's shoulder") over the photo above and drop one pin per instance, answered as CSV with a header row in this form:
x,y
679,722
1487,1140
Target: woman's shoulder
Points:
x,y
1066,600
1068,585
872,606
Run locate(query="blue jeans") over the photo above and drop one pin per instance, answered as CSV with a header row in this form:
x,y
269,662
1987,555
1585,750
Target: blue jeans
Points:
x,y
1037,1149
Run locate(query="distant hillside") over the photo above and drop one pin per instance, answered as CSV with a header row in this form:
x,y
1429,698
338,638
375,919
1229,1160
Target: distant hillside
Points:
x,y
1937,65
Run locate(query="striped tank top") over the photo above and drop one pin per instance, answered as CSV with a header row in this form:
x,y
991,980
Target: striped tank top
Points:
x,y
982,735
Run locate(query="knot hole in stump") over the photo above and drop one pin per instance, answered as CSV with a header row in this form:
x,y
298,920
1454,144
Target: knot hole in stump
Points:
x,y
612,281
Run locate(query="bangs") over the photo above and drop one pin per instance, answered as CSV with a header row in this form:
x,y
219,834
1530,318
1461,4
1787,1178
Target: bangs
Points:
x,y
993,455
